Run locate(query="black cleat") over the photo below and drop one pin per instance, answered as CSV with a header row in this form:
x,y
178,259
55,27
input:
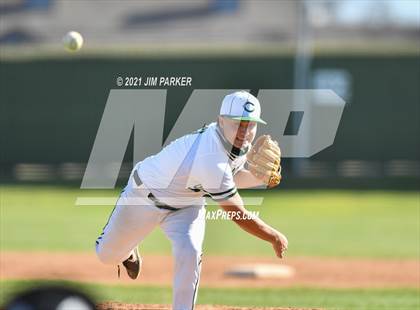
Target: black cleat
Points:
x,y
133,264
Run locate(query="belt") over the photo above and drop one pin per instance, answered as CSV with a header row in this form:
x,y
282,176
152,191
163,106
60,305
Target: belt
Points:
x,y
160,204
152,197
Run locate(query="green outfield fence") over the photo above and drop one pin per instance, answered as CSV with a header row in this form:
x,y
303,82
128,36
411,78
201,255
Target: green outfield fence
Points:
x,y
51,108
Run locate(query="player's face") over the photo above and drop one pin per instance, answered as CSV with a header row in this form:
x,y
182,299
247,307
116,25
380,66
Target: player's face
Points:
x,y
238,133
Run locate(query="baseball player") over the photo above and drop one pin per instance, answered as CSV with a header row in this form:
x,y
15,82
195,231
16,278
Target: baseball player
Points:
x,y
169,189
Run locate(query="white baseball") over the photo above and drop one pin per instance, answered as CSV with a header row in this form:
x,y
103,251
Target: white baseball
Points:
x,y
73,41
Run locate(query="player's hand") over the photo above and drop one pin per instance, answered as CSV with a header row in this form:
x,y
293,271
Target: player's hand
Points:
x,y
280,244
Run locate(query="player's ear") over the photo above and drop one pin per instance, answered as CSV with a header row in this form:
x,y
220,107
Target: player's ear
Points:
x,y
220,122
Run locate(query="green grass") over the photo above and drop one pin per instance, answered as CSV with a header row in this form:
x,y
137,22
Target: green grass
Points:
x,y
317,223
283,297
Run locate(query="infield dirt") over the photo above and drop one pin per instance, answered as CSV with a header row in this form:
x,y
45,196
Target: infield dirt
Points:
x,y
122,306
158,270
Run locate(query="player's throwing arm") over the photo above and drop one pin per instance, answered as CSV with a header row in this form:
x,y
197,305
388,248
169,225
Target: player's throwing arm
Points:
x,y
263,168
255,226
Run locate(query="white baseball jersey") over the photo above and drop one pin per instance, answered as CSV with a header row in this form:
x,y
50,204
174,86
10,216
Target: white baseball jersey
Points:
x,y
190,168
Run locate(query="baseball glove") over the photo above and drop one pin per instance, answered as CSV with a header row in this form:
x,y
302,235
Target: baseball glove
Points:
x,y
264,161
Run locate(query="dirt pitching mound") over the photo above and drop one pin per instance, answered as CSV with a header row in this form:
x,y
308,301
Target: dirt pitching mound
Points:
x,y
122,306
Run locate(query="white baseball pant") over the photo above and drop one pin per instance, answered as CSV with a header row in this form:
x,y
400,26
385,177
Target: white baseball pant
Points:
x,y
129,224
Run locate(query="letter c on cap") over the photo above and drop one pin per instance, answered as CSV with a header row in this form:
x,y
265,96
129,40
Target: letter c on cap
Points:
x,y
249,106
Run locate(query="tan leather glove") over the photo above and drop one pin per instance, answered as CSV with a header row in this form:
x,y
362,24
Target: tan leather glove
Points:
x,y
264,160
